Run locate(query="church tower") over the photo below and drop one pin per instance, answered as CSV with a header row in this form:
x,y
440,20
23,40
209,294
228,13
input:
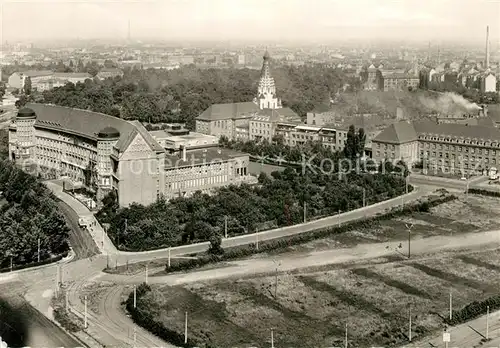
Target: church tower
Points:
x,y
266,93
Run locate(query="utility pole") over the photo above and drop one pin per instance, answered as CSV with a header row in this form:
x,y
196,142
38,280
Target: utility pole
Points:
x,y
277,264
364,197
409,227
38,253
135,296
305,212
487,321
168,257
225,226
135,337
146,274
11,263
451,305
467,187
186,329
339,217
272,338
257,241
345,335
85,318
66,300
409,328
57,279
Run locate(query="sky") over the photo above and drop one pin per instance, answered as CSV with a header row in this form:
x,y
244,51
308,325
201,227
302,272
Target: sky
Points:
x,y
250,19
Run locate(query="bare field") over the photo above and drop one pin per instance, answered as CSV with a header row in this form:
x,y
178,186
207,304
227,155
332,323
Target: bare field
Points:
x,y
311,309
473,214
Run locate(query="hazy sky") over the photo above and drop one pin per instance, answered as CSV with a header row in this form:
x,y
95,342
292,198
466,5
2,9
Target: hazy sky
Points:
x,y
251,19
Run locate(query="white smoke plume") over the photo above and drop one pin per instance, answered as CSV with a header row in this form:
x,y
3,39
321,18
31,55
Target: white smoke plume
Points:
x,y
450,104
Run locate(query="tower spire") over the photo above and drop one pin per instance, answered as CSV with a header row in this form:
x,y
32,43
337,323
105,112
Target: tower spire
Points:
x,y
266,93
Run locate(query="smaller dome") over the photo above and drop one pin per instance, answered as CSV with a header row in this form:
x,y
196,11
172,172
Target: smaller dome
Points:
x,y
108,133
26,113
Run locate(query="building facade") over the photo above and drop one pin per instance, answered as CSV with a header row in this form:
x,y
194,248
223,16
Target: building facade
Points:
x,y
448,148
234,120
44,80
106,153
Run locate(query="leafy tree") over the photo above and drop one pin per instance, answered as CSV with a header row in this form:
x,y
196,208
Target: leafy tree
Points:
x,y
30,214
215,244
27,86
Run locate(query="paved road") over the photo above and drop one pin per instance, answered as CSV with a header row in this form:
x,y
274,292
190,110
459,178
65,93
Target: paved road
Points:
x,y
81,242
113,328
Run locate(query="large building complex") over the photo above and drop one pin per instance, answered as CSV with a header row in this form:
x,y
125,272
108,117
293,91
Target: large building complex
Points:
x,y
244,120
43,80
107,153
445,147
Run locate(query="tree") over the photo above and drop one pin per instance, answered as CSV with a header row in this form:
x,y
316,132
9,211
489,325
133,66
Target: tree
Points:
x,y
361,141
351,147
215,244
27,86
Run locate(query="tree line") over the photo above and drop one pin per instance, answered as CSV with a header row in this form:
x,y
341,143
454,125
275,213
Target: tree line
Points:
x,y
278,200
28,214
159,95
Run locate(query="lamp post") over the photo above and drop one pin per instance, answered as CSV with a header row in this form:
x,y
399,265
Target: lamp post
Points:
x,y
409,227
277,264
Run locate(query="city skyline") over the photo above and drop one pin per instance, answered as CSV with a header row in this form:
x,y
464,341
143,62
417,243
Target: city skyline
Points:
x,y
269,20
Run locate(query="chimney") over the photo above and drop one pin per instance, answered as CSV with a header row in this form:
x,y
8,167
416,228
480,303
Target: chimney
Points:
x,y
487,47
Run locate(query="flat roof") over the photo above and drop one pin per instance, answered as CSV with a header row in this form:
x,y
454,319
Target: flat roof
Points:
x,y
201,156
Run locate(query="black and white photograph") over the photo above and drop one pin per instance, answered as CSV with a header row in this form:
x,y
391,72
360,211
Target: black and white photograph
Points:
x,y
249,173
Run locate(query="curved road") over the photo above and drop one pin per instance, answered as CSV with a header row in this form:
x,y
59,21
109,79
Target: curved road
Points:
x,y
110,326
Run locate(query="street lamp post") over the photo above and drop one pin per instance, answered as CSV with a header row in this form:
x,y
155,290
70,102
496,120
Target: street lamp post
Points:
x,y
409,227
277,264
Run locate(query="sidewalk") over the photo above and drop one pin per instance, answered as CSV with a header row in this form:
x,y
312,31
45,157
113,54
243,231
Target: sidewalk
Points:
x,y
466,335
101,239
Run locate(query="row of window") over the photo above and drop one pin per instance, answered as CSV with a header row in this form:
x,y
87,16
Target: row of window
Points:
x,y
468,141
194,183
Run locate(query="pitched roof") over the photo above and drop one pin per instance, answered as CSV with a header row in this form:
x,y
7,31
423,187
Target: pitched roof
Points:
x,y
73,75
88,124
227,111
36,73
276,115
457,130
397,133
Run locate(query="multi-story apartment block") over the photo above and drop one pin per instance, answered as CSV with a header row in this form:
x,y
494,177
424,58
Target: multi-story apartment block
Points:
x,y
107,153
43,80
399,81
264,123
109,72
451,148
18,79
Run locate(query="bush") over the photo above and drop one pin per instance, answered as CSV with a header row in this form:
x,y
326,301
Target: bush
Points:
x,y
474,310
283,243
144,318
35,264
484,192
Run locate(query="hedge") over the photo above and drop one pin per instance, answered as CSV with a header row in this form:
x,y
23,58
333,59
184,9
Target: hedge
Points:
x,y
144,318
34,264
484,192
282,243
473,310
